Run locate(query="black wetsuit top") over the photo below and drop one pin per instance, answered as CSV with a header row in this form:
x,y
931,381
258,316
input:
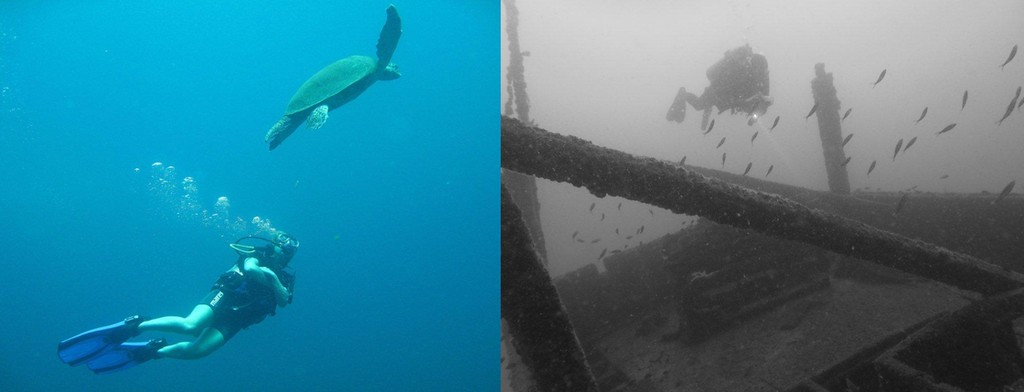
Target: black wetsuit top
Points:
x,y
239,302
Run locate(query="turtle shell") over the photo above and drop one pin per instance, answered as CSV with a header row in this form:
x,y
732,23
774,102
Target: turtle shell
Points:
x,y
330,81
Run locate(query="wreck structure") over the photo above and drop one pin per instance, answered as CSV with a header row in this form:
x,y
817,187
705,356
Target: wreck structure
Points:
x,y
764,256
780,243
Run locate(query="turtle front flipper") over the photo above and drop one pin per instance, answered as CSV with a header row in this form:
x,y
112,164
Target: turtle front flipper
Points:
x,y
280,131
317,118
389,36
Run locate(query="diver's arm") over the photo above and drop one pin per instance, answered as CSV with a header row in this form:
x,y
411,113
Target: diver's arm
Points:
x,y
267,277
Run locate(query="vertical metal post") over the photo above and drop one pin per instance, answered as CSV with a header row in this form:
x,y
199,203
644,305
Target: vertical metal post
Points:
x,y
542,333
830,130
516,70
523,187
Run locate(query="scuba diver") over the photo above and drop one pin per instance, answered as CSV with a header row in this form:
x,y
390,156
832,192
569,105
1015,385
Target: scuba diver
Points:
x,y
739,82
244,295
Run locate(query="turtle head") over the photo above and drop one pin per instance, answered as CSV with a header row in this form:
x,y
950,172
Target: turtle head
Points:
x,y
390,72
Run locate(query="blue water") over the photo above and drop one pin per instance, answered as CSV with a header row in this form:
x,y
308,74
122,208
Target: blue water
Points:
x,y
394,200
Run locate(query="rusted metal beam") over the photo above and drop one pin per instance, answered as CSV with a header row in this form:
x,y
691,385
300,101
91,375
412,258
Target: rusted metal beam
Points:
x,y
542,333
605,171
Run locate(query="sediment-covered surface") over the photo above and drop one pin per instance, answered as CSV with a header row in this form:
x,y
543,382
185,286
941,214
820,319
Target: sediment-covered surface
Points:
x,y
762,354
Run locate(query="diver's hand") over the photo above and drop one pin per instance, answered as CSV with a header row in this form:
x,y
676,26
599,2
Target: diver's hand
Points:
x,y
282,294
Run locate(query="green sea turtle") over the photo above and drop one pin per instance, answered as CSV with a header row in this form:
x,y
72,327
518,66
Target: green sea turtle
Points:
x,y
339,83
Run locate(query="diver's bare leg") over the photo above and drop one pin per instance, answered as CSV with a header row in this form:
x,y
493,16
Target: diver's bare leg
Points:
x,y
210,340
193,324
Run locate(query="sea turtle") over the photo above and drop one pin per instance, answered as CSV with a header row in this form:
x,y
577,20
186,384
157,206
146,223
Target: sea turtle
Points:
x,y
339,83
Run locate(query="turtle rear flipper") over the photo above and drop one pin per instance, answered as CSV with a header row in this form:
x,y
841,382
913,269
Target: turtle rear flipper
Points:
x,y
281,130
389,36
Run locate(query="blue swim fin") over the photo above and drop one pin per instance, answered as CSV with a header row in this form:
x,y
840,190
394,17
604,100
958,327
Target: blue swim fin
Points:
x,y
87,345
125,355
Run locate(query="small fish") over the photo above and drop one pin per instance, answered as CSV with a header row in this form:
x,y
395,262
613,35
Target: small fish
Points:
x,y
872,167
753,137
769,170
681,163
846,161
641,229
847,114
923,113
944,176
592,206
580,240
616,231
629,237
710,127
964,103
637,231
1009,109
575,233
720,143
616,251
847,139
620,203
813,109
1013,52
723,159
1009,187
651,211
880,77
910,143
602,253
899,205
774,124
947,129
602,217
595,240
898,145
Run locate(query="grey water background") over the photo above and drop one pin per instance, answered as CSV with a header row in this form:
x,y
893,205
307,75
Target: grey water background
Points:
x,y
394,199
607,71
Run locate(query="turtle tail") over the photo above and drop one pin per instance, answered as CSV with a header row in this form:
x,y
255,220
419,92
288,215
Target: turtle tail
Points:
x,y
281,130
